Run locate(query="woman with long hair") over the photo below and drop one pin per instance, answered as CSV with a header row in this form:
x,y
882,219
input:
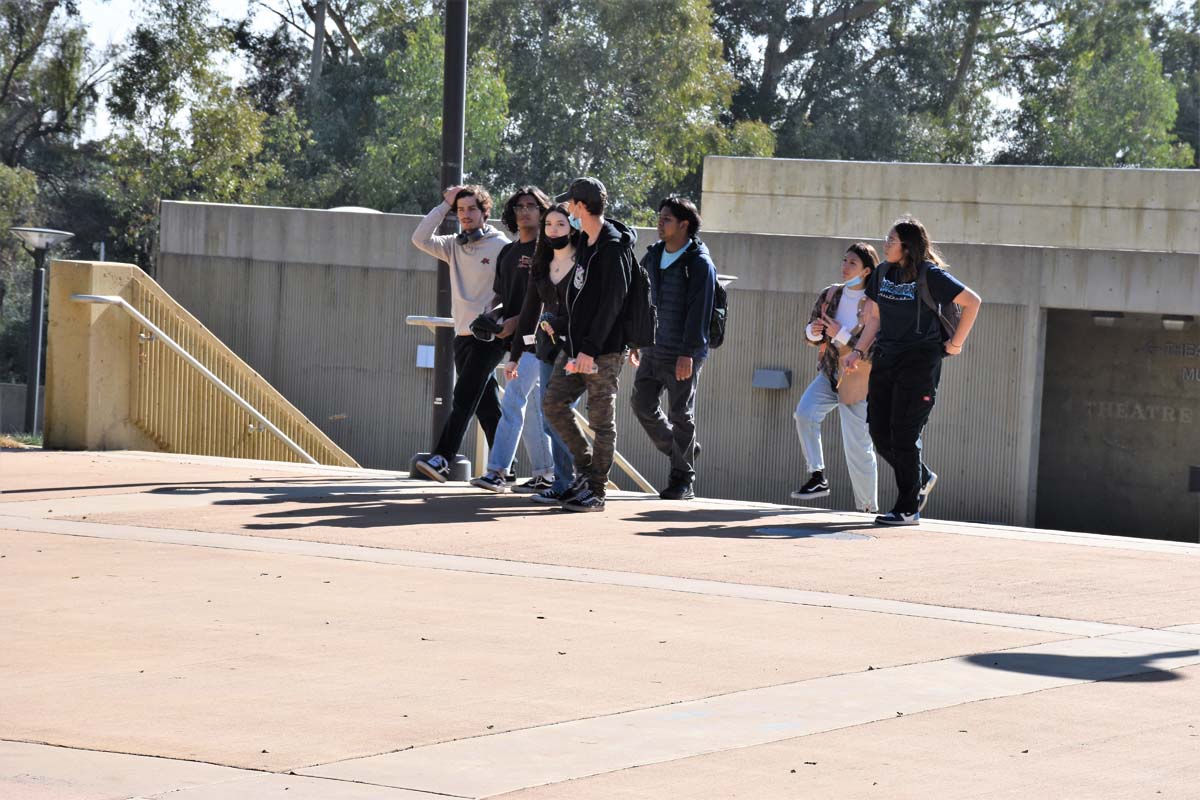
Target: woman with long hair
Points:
x,y
837,326
910,298
553,260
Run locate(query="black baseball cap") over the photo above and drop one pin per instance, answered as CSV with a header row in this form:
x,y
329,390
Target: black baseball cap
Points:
x,y
587,190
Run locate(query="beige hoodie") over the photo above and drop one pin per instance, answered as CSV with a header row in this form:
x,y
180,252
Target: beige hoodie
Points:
x,y
472,266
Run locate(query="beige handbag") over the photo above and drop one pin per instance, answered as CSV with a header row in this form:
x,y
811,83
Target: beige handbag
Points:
x,y
852,386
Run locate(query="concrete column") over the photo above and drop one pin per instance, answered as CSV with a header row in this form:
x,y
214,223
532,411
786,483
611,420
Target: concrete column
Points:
x,y
91,357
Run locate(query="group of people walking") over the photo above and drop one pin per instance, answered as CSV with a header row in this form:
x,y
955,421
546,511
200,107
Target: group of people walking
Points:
x,y
557,301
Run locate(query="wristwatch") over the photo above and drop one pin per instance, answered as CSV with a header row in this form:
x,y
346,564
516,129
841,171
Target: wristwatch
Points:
x,y
861,354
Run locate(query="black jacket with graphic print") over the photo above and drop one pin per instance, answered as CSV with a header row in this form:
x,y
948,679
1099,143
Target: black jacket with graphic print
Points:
x,y
596,290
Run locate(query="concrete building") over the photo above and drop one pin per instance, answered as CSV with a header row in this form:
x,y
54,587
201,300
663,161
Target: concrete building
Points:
x,y
1100,269
315,301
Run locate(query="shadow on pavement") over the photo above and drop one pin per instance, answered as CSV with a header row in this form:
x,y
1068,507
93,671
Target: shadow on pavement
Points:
x,y
1093,668
169,486
769,529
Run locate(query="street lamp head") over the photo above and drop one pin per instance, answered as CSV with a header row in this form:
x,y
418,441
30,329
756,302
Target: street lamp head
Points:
x,y
40,238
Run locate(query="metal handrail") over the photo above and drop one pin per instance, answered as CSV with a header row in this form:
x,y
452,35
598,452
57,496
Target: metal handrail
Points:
x,y
114,300
432,323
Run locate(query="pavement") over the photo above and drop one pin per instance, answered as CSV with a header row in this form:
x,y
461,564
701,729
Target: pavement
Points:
x,y
200,629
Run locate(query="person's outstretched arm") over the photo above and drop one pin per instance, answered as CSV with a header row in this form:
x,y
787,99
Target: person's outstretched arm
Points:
x,y
970,303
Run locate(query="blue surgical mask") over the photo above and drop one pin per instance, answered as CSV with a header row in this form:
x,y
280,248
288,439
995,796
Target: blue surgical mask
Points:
x,y
853,282
576,222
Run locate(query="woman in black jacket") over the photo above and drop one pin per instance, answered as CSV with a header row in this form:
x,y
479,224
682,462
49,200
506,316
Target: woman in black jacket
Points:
x,y
553,259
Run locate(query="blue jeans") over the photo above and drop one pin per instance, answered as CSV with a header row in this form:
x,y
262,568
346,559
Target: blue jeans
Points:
x,y
564,464
817,401
522,397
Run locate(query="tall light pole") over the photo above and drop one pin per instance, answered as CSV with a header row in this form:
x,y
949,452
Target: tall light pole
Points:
x,y
37,242
454,108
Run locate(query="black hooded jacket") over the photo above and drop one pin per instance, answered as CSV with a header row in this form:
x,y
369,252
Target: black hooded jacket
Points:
x,y
596,290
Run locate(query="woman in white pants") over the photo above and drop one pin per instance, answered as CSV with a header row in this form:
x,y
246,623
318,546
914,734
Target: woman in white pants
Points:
x,y
835,327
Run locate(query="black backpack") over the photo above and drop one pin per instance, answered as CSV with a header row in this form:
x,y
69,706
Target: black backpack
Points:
x,y
948,315
720,312
639,317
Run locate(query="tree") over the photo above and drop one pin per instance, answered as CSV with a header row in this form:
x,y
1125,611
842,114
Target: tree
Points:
x,y
632,91
48,86
1176,38
18,205
1104,102
399,168
181,130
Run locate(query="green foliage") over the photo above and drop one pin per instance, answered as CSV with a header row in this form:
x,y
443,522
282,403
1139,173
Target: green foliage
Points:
x,y
1105,102
47,89
181,130
401,160
18,206
1176,38
634,92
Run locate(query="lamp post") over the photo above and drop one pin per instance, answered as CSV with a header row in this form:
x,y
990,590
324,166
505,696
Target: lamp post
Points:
x,y
37,242
454,103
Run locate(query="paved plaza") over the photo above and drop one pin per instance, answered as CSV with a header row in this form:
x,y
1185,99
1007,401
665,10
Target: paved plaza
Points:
x,y
196,628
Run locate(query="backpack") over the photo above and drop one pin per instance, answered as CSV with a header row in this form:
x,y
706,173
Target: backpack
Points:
x,y
639,317
948,315
720,312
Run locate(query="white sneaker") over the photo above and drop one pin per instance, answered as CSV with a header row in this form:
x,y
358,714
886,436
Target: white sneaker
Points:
x,y
926,489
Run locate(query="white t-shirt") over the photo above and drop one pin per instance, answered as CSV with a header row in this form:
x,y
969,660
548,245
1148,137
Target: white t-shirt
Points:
x,y
846,316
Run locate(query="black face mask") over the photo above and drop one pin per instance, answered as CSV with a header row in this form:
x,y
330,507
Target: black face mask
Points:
x,y
558,242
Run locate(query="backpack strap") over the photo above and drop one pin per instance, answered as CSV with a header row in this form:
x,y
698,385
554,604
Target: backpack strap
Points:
x,y
923,288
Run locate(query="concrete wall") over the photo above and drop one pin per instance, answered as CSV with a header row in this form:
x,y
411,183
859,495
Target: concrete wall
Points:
x,y
1070,207
1120,427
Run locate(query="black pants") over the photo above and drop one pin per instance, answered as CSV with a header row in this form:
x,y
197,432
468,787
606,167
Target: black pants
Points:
x,y
901,394
673,433
475,393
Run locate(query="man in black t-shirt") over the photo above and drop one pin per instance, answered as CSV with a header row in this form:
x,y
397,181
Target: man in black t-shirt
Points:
x,y
521,408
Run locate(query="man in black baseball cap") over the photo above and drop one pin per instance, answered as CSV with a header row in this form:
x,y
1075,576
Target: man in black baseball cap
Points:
x,y
589,191
594,347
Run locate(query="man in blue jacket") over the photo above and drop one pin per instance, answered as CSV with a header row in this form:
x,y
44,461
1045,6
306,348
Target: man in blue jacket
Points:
x,y
683,281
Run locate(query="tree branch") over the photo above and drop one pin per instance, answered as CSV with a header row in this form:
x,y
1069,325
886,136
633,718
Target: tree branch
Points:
x,y
964,60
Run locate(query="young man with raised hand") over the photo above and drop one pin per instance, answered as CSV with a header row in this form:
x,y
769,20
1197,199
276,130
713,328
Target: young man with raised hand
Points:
x,y
594,341
683,282
471,255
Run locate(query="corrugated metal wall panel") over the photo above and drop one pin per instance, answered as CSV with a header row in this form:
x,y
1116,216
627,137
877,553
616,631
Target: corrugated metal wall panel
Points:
x,y
333,340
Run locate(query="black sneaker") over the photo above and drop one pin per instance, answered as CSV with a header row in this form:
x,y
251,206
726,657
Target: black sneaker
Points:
x,y
579,485
896,518
926,489
546,497
587,500
678,491
534,485
492,481
435,468
816,487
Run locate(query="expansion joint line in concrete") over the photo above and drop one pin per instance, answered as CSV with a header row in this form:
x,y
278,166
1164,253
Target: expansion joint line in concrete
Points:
x,y
519,569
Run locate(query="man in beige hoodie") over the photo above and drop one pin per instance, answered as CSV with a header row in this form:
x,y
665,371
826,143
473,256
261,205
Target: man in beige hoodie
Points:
x,y
472,254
